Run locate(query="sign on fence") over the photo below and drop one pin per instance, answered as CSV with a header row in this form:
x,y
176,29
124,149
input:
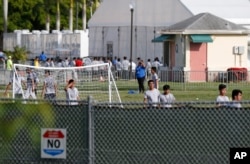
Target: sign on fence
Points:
x,y
53,143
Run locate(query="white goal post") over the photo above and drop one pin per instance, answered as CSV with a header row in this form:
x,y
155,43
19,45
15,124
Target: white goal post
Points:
x,y
92,80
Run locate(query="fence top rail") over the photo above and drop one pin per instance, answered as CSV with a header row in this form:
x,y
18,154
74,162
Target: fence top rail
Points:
x,y
64,68
176,105
126,102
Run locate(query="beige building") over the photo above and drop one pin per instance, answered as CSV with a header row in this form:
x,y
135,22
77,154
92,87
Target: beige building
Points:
x,y
202,44
109,28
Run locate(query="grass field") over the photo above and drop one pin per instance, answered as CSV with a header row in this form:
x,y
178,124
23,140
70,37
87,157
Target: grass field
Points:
x,y
182,91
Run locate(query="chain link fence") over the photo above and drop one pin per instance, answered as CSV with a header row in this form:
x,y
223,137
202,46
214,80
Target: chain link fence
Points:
x,y
185,134
20,138
188,133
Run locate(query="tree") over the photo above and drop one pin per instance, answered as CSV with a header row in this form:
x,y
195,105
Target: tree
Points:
x,y
19,54
22,15
47,5
84,16
96,4
71,15
5,14
58,14
43,14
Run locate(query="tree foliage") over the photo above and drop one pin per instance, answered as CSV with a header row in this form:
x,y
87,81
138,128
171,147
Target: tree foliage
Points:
x,y
19,54
32,14
17,117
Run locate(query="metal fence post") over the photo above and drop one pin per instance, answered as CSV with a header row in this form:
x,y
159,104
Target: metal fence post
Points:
x,y
91,130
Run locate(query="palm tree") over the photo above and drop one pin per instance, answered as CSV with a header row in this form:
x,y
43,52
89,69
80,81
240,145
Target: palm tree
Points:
x,y
58,14
84,17
47,5
5,15
71,15
96,4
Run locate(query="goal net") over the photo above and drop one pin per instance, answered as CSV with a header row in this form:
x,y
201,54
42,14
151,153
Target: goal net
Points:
x,y
93,80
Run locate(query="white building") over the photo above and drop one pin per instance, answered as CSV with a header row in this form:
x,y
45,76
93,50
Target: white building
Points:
x,y
109,28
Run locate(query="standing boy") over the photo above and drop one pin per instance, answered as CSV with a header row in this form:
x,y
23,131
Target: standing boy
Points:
x,y
236,97
222,99
49,87
154,77
140,73
167,98
72,93
125,66
119,68
9,64
43,57
151,96
36,62
30,85
148,67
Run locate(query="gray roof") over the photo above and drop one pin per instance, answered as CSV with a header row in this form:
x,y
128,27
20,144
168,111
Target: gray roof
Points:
x,y
205,23
148,13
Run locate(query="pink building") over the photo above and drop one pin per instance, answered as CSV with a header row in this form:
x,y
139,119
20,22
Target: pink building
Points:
x,y
203,43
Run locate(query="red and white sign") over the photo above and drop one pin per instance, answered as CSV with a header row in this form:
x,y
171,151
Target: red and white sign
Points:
x,y
53,143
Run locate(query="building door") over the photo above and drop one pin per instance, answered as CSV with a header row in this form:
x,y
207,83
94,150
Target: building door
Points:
x,y
198,62
168,60
110,49
166,52
169,54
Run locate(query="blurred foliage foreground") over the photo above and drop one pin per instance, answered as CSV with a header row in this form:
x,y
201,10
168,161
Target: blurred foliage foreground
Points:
x,y
23,120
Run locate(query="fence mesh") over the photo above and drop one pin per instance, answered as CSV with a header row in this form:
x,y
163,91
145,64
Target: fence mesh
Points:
x,y
20,138
187,133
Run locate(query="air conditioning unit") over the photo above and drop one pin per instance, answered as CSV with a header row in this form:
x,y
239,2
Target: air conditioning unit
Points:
x,y
238,50
235,50
241,50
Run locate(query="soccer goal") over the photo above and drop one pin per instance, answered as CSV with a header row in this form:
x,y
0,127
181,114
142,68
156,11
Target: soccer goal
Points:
x,y
93,80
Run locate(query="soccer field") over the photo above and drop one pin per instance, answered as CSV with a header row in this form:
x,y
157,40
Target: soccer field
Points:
x,y
182,91
129,93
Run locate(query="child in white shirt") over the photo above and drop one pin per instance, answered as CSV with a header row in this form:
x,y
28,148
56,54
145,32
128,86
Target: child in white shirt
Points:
x,y
222,99
72,93
167,98
155,77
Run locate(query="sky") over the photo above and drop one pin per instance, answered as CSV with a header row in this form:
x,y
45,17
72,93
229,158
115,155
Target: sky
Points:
x,y
221,8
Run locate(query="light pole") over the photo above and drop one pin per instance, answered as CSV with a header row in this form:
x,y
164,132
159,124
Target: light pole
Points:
x,y
131,38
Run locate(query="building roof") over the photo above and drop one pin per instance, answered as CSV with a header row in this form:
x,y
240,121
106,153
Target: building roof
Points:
x,y
205,23
154,13
162,13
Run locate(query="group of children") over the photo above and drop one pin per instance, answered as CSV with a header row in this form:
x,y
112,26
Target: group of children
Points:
x,y
223,100
154,98
49,89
